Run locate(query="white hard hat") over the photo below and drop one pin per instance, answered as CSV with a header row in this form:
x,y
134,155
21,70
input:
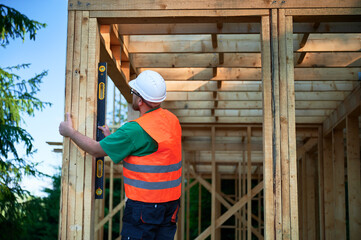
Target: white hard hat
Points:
x,y
150,85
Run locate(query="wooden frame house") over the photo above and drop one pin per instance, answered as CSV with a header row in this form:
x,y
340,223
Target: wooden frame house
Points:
x,y
268,96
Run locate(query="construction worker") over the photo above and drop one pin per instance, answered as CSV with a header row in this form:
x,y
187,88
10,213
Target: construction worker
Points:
x,y
150,148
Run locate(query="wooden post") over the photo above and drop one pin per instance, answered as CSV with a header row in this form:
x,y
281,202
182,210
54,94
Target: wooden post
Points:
x,y
291,129
111,191
213,197
353,176
304,196
339,183
328,187
276,124
63,213
310,198
269,232
249,185
77,211
321,211
284,126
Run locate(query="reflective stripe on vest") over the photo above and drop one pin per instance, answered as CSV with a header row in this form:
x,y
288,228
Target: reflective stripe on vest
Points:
x,y
156,177
153,185
152,168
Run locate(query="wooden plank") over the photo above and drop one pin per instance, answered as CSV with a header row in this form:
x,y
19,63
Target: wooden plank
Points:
x,y
324,11
330,59
80,164
310,200
230,28
63,213
161,60
320,179
252,96
339,183
249,185
255,86
291,130
245,104
328,188
73,224
111,195
351,103
188,28
284,161
213,192
313,59
276,123
328,27
233,43
92,69
254,74
353,175
304,196
267,131
180,5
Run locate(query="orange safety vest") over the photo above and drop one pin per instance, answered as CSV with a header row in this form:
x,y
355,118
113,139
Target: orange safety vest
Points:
x,y
156,178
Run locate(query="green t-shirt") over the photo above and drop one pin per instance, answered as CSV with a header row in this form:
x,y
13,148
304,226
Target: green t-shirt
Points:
x,y
130,139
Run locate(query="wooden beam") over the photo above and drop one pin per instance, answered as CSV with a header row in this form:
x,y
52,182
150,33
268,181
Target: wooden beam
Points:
x,y
339,183
328,188
320,178
349,105
353,175
311,143
91,113
115,73
310,198
63,212
213,192
249,43
291,129
267,130
283,121
113,5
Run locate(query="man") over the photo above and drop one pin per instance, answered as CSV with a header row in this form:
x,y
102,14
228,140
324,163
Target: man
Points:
x,y
150,148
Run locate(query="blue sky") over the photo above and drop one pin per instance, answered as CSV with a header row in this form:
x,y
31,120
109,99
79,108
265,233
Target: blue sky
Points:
x,y
47,52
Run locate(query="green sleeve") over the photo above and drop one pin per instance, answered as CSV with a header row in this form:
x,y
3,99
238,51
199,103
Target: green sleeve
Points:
x,y
130,139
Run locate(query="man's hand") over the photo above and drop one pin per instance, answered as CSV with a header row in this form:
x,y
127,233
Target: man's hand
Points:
x,y
66,128
105,130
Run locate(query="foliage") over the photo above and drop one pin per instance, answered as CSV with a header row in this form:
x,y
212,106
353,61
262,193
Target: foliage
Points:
x,y
13,25
42,214
17,98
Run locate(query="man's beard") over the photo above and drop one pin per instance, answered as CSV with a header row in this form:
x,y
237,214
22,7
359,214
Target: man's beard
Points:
x,y
135,106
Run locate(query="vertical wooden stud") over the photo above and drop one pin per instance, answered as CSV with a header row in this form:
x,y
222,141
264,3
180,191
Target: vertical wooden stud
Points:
x,y
353,176
91,113
213,200
310,199
328,187
304,196
63,212
339,183
321,211
291,129
111,191
267,130
249,185
285,168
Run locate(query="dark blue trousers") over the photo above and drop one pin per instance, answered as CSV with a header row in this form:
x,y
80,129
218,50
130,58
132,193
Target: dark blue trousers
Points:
x,y
148,221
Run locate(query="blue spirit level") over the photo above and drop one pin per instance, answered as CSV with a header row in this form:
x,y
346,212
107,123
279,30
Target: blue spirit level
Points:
x,y
99,162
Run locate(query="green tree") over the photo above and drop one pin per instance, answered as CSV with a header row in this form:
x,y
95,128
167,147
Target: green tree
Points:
x,y
17,99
